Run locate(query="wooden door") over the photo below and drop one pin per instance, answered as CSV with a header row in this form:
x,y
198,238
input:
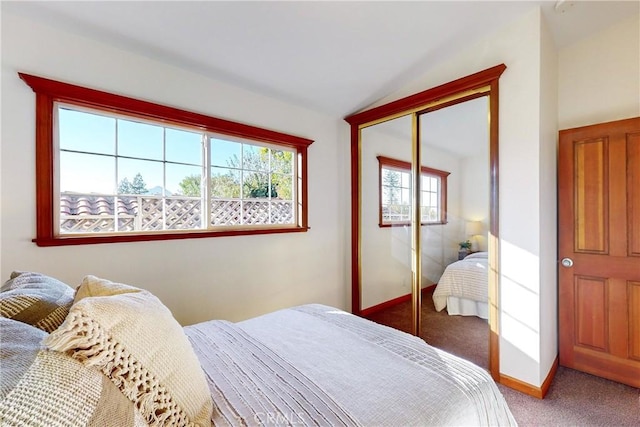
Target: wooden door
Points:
x,y
599,231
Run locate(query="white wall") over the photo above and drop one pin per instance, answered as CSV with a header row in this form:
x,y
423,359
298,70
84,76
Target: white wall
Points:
x,y
599,77
548,312
230,277
474,200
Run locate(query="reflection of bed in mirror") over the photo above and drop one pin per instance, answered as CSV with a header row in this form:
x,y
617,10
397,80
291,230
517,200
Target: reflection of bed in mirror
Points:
x,y
463,287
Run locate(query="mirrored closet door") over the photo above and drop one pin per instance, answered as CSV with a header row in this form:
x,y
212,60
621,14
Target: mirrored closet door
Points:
x,y
454,140
409,210
386,261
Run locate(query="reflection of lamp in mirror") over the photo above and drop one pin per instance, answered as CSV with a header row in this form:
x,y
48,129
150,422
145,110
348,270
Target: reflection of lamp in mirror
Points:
x,y
473,229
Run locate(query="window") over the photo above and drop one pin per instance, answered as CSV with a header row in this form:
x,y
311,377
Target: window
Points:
x,y
395,193
112,169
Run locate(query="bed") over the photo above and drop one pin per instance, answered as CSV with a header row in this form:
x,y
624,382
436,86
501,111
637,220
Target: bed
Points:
x,y
119,358
463,288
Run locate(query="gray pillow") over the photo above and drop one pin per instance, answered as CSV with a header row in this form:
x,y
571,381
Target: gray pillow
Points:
x,y
35,299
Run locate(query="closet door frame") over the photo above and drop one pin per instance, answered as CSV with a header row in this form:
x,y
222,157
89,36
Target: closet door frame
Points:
x,y
483,83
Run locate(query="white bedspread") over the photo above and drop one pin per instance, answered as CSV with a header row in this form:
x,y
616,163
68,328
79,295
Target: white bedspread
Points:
x,y
467,278
316,365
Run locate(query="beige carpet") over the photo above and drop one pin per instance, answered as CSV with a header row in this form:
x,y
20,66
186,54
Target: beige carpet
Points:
x,y
574,398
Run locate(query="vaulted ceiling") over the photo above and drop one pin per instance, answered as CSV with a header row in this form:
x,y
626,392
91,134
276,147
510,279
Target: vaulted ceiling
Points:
x,y
334,57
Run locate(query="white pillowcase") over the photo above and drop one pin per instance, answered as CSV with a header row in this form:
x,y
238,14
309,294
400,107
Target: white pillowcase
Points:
x,y
129,335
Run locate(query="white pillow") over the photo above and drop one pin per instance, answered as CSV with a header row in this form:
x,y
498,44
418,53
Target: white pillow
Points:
x,y
477,255
129,335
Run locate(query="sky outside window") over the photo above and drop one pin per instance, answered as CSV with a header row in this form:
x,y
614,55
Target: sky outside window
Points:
x,y
88,146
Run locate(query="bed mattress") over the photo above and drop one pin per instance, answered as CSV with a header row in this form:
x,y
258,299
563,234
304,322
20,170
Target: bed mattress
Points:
x,y
464,284
317,365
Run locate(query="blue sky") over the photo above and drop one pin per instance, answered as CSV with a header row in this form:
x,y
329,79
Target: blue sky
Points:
x,y
95,169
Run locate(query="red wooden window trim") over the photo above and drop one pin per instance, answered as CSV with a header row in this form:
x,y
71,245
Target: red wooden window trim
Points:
x,y
406,166
48,92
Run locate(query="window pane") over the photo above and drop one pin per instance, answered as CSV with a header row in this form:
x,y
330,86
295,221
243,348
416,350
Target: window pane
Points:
x,y
391,181
392,195
86,132
225,212
255,158
393,212
140,140
256,185
391,178
406,179
434,184
87,173
282,212
433,214
183,213
255,212
183,146
386,195
183,180
86,213
283,186
139,177
282,161
433,200
225,153
225,183
406,197
406,213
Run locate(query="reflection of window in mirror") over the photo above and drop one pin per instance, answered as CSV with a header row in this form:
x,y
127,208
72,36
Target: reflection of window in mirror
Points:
x,y
395,193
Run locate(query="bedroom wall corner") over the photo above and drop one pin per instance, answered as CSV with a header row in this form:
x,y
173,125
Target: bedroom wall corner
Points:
x,y
548,201
520,163
343,135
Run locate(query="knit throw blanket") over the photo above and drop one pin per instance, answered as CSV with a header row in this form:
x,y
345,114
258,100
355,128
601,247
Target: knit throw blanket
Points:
x,y
317,365
251,385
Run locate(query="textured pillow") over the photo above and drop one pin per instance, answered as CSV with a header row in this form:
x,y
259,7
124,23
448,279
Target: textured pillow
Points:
x,y
134,340
47,388
477,255
35,299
